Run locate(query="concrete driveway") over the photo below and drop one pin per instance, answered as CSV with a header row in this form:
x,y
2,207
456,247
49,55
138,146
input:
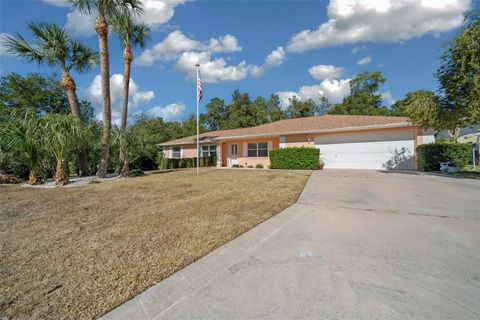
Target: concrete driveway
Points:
x,y
357,245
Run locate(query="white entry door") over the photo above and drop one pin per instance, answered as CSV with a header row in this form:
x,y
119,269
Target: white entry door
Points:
x,y
233,154
379,150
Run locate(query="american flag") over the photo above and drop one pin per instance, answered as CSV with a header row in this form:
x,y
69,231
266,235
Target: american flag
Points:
x,y
199,87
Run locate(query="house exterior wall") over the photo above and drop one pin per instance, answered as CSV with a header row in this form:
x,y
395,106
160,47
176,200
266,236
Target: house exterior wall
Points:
x,y
417,135
243,159
188,150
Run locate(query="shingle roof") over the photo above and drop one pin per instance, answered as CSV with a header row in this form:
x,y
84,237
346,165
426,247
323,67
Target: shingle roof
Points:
x,y
325,122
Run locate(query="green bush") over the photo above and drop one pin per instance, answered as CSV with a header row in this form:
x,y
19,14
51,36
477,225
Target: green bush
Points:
x,y
165,163
259,166
295,158
430,155
135,173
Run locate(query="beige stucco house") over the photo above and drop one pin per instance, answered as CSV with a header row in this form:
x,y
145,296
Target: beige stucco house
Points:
x,y
345,141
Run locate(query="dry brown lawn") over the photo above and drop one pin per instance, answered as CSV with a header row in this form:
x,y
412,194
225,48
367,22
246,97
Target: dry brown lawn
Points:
x,y
76,253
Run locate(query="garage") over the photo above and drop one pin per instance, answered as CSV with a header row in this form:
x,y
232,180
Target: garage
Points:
x,y
392,150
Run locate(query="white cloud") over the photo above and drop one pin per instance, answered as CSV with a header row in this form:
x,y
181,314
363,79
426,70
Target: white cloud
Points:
x,y
274,59
321,71
334,90
170,112
79,24
365,60
212,70
177,43
156,13
352,21
388,98
215,70
59,3
359,48
227,43
94,94
169,49
285,97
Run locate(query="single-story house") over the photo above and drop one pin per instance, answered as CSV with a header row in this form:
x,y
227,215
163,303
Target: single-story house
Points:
x,y
345,141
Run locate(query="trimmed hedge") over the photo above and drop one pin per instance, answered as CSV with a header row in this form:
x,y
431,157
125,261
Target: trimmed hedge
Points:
x,y
295,158
430,155
166,163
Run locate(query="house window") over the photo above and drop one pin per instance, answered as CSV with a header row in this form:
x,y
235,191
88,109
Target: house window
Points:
x,y
259,149
209,151
176,152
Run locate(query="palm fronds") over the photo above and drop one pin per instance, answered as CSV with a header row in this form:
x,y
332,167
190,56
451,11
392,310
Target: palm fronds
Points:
x,y
52,46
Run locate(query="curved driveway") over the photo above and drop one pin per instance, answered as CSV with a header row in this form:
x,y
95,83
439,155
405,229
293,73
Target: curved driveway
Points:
x,y
357,245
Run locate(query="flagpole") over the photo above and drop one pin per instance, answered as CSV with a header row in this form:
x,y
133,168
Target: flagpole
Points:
x,y
198,123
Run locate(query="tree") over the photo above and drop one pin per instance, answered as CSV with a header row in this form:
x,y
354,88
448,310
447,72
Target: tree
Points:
x,y
34,91
131,34
60,133
364,98
459,74
426,110
240,114
274,111
299,108
214,118
325,105
104,11
54,47
21,139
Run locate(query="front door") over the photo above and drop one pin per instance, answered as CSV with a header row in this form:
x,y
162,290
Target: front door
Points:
x,y
233,154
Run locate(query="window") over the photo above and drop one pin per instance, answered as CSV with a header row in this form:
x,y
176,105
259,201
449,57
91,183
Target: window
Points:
x,y
259,149
176,152
209,151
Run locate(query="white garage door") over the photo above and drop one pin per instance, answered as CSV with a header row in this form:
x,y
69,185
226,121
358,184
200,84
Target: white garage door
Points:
x,y
388,150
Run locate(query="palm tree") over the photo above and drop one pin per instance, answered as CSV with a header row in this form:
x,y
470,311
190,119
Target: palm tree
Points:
x,y
131,34
22,135
60,133
54,47
104,11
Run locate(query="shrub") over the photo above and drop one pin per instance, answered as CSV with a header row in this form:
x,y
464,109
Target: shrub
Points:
x,y
259,166
430,155
166,163
182,163
135,173
235,166
250,166
295,158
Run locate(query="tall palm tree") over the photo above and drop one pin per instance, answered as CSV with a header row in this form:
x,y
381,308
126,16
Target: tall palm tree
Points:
x,y
54,47
131,34
104,11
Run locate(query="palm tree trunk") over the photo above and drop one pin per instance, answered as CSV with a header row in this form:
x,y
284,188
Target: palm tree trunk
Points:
x,y
127,61
61,176
68,84
33,178
454,133
101,27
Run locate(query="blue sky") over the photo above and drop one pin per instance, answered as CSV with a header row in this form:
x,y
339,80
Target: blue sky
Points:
x,y
260,47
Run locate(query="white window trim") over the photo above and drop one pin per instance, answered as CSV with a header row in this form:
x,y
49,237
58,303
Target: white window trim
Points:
x,y
181,152
269,147
283,142
209,149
